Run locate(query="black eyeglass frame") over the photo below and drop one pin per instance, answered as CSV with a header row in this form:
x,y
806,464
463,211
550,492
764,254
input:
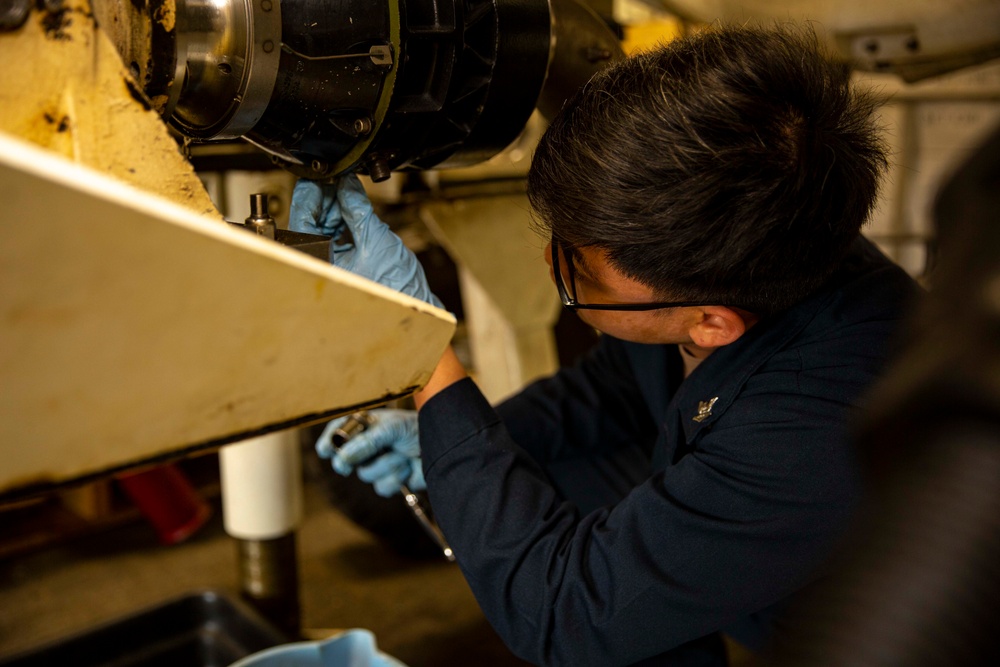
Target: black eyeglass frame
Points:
x,y
569,298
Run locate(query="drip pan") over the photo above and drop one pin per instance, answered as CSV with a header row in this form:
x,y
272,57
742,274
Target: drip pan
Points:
x,y
201,629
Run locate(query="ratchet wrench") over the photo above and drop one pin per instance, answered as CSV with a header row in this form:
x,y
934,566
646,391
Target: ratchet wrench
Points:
x,y
358,422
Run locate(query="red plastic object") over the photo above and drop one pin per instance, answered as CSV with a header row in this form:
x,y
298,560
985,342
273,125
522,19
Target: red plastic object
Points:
x,y
168,501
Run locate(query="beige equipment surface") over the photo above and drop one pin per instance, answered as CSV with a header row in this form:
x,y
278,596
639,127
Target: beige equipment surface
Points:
x,y
136,329
136,325
64,87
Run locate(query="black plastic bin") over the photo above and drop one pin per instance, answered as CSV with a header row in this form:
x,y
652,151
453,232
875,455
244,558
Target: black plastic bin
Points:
x,y
201,629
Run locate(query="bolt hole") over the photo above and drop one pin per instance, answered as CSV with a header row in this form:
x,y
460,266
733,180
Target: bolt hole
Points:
x,y
225,68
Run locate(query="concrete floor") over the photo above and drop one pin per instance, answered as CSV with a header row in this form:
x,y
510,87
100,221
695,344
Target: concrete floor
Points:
x,y
421,611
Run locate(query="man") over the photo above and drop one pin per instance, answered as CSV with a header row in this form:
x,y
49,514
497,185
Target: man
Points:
x,y
704,203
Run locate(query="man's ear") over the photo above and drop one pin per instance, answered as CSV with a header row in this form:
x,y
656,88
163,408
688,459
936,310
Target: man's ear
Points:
x,y
717,326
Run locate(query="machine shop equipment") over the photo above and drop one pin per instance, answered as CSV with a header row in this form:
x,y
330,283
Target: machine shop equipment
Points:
x,y
324,87
138,327
328,86
103,372
136,330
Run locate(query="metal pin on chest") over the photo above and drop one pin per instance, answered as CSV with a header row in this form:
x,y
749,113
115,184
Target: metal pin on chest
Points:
x,y
705,409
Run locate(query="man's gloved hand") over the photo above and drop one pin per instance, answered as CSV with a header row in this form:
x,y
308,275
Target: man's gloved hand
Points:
x,y
387,453
376,252
315,210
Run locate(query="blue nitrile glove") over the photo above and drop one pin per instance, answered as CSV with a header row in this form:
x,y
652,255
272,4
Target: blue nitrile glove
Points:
x,y
376,253
387,453
315,210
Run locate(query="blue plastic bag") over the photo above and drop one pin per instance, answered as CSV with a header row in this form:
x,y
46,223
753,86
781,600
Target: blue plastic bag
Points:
x,y
353,648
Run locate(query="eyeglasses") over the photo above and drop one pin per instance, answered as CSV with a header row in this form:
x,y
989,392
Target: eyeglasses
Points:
x,y
568,297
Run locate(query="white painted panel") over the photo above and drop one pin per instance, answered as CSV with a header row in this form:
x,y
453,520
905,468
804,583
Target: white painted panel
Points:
x,y
132,327
944,134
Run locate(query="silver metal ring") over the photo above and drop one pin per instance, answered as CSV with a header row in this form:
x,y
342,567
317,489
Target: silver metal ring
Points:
x,y
228,53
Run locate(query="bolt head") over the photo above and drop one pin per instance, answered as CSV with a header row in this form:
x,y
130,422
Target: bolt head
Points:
x,y
362,125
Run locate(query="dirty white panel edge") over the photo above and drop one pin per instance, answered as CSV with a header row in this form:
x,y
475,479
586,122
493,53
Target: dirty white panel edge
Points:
x,y
133,327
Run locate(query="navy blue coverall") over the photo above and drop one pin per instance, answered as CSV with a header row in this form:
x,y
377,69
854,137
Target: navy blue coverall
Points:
x,y
614,514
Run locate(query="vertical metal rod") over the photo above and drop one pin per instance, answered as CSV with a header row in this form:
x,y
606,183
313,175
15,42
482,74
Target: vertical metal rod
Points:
x,y
260,221
262,508
269,580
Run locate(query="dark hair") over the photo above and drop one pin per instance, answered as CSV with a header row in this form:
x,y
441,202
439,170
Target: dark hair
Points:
x,y
735,166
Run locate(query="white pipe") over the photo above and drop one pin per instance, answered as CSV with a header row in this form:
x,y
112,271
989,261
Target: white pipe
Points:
x,y
262,486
